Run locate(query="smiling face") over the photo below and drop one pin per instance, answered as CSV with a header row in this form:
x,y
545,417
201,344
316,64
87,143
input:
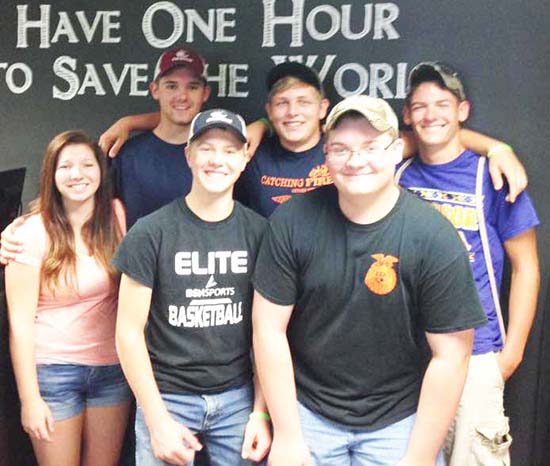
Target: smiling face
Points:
x,y
435,115
77,174
216,158
180,94
295,113
361,159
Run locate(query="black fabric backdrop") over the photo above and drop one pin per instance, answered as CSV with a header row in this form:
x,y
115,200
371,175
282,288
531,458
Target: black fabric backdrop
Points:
x,y
69,64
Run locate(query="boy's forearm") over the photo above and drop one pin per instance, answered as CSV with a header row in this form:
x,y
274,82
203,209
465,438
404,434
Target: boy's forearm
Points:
x,y
274,366
440,394
522,307
136,364
478,142
260,404
141,122
441,390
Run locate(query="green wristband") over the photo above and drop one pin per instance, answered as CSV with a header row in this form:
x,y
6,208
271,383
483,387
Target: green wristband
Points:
x,y
499,148
260,415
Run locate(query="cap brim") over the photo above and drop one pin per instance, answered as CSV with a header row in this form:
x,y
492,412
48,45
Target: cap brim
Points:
x,y
182,65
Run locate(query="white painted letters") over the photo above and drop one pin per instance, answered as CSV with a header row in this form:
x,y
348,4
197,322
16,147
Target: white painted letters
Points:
x,y
222,262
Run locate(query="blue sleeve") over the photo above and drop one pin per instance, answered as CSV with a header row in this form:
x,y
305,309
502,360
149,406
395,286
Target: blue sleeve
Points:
x,y
510,219
449,300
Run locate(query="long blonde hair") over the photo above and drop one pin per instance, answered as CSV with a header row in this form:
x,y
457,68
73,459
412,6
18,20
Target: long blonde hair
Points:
x,y
100,233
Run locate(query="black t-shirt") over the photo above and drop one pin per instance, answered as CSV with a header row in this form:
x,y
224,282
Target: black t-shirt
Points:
x,y
364,296
198,331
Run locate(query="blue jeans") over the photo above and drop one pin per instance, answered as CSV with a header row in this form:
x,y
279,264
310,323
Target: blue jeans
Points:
x,y
332,444
220,418
69,389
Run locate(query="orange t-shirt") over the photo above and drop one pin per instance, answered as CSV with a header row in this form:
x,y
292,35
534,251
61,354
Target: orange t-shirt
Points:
x,y
71,326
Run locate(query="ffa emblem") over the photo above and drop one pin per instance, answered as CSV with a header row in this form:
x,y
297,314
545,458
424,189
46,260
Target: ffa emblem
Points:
x,y
381,278
320,176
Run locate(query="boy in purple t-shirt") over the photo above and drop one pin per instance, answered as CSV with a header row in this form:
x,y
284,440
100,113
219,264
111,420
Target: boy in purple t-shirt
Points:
x,y
456,182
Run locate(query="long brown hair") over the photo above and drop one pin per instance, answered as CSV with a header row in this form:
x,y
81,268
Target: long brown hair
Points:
x,y
100,233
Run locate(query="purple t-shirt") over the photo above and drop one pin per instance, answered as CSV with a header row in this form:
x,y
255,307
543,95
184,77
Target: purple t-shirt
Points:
x,y
450,188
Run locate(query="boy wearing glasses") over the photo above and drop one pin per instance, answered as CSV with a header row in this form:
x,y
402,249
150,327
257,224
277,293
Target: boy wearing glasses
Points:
x,y
351,282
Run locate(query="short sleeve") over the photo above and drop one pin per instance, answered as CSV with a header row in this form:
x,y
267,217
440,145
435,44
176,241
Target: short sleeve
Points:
x,y
137,254
276,272
512,219
34,238
448,297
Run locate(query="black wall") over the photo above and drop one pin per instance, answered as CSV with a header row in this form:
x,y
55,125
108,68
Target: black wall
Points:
x,y
501,47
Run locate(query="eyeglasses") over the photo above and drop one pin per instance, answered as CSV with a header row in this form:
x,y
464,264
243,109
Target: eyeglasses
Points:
x,y
343,153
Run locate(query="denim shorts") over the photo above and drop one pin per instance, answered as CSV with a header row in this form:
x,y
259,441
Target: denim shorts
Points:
x,y
69,389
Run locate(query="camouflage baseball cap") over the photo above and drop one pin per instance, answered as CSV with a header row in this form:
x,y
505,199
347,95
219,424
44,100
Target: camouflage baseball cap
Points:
x,y
433,70
377,111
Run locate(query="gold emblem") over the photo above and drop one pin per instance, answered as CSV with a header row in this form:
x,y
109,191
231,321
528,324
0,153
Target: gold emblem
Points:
x,y
381,278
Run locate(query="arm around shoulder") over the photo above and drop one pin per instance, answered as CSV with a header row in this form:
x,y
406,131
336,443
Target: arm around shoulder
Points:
x,y
118,133
503,162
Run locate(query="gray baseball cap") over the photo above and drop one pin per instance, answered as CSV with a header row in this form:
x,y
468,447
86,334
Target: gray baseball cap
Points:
x,y
217,118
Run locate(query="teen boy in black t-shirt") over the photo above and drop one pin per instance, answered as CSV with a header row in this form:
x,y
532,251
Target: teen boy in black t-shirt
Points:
x,y
183,329
360,275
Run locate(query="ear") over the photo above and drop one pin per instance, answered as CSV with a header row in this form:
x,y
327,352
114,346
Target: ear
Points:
x,y
247,154
268,109
325,103
244,159
206,95
397,148
407,115
153,89
463,111
187,153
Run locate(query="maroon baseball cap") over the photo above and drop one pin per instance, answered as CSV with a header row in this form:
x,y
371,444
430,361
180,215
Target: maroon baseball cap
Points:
x,y
180,57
